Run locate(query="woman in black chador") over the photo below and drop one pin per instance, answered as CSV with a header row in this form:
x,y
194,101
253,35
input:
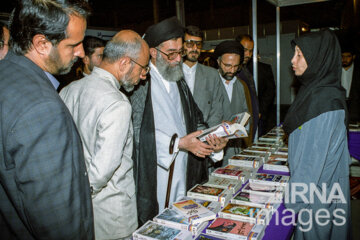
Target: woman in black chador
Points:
x,y
318,151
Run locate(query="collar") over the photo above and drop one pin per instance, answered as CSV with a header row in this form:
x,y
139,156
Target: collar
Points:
x,y
106,75
53,80
231,81
189,69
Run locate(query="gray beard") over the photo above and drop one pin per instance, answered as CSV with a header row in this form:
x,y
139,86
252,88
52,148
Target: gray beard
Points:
x,y
168,72
126,82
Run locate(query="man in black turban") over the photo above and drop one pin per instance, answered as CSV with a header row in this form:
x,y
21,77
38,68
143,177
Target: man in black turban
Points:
x,y
229,55
166,119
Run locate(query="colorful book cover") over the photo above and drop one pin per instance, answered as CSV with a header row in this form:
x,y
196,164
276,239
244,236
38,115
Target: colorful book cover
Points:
x,y
255,200
213,206
208,193
232,172
245,161
268,190
230,228
245,213
195,212
278,157
153,230
226,183
269,179
207,237
276,165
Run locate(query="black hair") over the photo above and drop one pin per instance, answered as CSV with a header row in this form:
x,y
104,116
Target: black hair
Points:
x,y
47,17
239,38
90,43
194,31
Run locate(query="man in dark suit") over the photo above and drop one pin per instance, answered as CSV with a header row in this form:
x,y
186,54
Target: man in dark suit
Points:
x,y
44,188
262,96
350,80
204,82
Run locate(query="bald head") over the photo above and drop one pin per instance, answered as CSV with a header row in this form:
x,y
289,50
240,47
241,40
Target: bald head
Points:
x,y
126,56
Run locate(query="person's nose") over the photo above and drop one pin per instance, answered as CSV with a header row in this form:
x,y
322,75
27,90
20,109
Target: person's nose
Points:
x,y
79,51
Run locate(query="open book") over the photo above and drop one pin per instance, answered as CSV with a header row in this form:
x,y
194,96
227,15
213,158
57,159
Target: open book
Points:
x,y
233,129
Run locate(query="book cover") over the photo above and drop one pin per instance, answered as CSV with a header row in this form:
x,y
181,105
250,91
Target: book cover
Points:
x,y
269,179
226,183
255,200
153,230
233,229
246,161
268,190
276,165
279,157
207,237
232,172
245,213
200,191
195,212
262,156
213,206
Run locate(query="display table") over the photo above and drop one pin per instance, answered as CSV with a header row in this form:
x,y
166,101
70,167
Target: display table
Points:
x,y
354,144
277,231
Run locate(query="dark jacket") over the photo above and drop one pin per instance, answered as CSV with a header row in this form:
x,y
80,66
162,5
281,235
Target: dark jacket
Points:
x,y
44,190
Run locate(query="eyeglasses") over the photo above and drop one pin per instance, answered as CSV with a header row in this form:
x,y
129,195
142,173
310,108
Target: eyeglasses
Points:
x,y
229,66
173,55
191,43
145,69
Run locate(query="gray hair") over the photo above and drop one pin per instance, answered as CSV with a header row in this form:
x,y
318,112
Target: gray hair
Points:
x,y
115,49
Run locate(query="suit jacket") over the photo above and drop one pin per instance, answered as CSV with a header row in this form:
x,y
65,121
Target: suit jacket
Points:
x,y
44,191
353,102
145,149
207,94
103,116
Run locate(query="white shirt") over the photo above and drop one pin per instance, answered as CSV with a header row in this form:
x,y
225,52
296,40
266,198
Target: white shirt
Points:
x,y
189,73
228,86
346,78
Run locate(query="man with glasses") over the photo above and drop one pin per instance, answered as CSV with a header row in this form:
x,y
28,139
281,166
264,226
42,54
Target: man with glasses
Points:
x,y
103,117
166,119
236,94
203,81
4,40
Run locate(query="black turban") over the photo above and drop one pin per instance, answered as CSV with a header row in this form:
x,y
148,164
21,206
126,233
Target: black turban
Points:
x,y
229,46
165,30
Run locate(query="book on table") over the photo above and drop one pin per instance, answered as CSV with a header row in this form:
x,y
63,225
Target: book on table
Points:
x,y
200,191
248,161
172,218
276,165
233,129
226,183
232,172
267,190
153,230
246,213
213,206
269,179
263,156
233,229
195,212
256,200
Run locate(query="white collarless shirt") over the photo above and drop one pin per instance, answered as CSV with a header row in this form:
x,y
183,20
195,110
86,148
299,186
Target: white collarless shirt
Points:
x,y
189,73
228,86
346,79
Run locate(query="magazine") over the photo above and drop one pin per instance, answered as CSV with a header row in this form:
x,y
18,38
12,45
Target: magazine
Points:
x,y
200,191
232,172
269,179
233,129
153,230
245,213
233,229
195,212
172,218
225,183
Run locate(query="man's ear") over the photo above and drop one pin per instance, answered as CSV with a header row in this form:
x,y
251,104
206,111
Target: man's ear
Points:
x,y
86,60
124,64
41,45
153,53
